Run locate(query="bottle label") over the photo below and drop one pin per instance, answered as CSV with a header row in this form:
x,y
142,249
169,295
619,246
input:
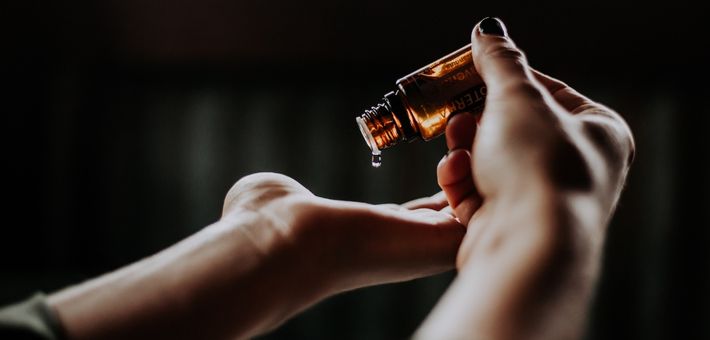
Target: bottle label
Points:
x,y
446,87
470,100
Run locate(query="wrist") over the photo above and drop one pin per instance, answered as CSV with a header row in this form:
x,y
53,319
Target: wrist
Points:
x,y
539,225
285,275
521,255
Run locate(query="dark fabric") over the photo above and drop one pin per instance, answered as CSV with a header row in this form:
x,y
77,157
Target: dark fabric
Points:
x,y
31,319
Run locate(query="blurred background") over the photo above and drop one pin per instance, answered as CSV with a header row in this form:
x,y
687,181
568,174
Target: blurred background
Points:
x,y
126,122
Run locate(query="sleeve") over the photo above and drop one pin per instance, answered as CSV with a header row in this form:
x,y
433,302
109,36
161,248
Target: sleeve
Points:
x,y
31,319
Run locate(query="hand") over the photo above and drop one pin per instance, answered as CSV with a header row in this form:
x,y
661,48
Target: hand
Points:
x,y
535,180
344,245
276,250
536,133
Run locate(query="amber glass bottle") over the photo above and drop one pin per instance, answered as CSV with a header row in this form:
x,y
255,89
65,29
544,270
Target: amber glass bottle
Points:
x,y
423,101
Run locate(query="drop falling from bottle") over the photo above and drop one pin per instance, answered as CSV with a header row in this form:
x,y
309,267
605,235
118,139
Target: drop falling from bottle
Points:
x,y
376,159
376,153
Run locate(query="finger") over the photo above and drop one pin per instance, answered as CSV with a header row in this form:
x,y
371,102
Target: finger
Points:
x,y
460,131
454,171
410,243
575,102
566,96
435,202
377,244
455,179
605,127
448,210
498,61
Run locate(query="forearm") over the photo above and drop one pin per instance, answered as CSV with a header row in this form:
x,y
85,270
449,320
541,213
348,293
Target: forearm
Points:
x,y
531,276
216,284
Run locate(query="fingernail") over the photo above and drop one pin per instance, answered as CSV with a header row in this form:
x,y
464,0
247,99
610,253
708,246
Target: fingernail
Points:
x,y
492,26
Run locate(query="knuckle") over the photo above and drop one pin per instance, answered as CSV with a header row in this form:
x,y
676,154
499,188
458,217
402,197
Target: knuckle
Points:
x,y
612,137
590,108
525,90
505,50
631,155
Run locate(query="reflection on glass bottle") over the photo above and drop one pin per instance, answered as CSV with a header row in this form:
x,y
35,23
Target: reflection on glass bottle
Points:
x,y
423,102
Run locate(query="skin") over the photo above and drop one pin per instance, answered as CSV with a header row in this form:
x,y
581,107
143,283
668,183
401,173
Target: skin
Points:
x,y
535,181
276,250
527,194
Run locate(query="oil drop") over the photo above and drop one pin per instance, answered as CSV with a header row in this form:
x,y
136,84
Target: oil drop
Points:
x,y
376,159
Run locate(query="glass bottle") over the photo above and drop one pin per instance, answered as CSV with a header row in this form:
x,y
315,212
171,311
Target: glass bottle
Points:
x,y
423,101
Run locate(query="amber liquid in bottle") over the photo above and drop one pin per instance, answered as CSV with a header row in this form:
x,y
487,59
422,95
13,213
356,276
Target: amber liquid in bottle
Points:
x,y
423,102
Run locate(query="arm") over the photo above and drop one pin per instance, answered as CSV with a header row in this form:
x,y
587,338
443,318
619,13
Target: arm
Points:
x,y
277,250
535,180
529,274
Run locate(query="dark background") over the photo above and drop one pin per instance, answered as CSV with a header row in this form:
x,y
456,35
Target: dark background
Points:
x,y
126,121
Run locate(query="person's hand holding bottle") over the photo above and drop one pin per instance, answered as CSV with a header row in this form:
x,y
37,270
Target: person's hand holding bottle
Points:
x,y
535,180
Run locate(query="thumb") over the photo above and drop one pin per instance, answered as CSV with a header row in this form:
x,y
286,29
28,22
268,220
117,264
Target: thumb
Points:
x,y
498,61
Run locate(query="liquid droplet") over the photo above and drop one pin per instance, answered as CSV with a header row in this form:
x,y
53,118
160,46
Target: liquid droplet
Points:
x,y
376,160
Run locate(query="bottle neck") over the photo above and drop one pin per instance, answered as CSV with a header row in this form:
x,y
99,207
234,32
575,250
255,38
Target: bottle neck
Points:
x,y
386,124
